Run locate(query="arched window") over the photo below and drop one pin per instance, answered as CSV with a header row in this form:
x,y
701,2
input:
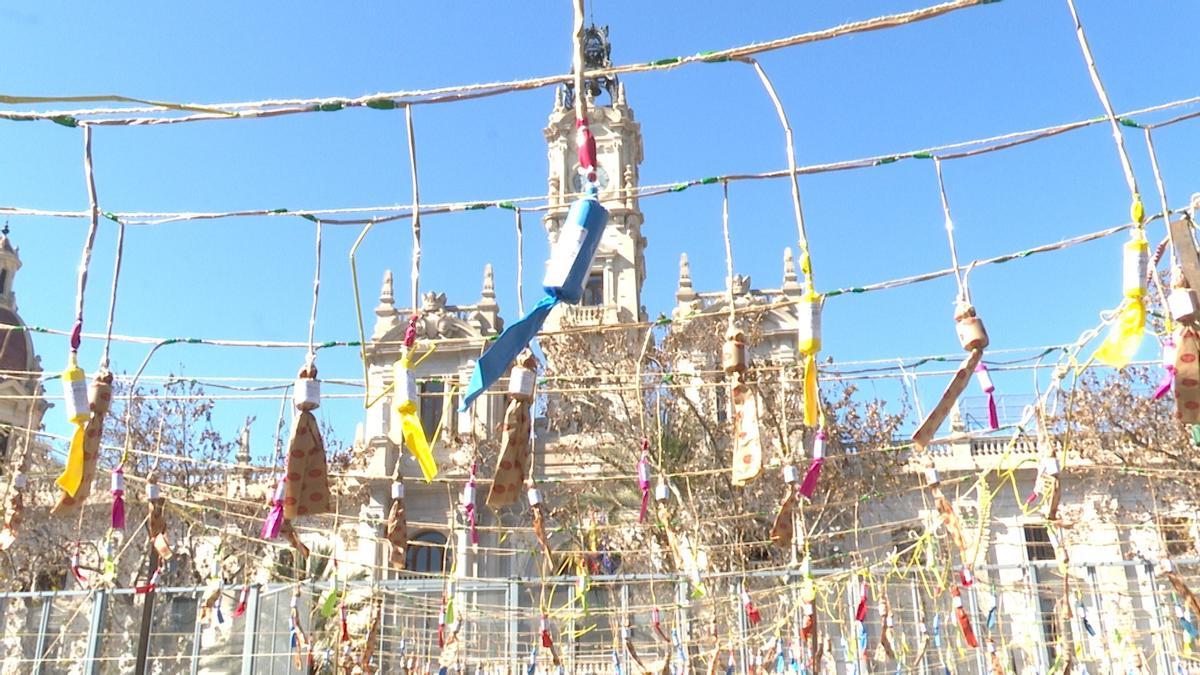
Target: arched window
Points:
x,y
427,553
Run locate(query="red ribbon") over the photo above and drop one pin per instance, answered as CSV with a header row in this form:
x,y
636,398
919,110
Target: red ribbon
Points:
x,y
586,143
410,333
547,641
150,584
74,566
752,613
860,613
345,627
241,606
656,622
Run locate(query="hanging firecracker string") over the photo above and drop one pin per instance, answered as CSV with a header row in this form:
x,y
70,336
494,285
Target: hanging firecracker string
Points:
x,y
397,524
406,403
570,261
572,251
515,458
747,443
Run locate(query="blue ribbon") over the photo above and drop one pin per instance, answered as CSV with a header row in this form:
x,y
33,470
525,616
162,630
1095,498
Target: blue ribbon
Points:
x,y
937,631
616,663
585,213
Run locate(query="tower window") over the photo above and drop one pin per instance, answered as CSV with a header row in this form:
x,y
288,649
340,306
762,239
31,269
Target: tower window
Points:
x,y
593,290
3,281
432,399
427,553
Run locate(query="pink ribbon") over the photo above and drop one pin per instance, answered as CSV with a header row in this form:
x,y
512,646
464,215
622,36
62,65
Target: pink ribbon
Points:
x,y
985,382
468,499
1168,361
809,484
274,521
643,476
118,505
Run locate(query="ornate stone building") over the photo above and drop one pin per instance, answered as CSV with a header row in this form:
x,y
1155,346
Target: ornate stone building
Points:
x,y
21,402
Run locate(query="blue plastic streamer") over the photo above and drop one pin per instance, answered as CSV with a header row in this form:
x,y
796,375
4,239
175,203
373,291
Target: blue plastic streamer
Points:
x,y
579,239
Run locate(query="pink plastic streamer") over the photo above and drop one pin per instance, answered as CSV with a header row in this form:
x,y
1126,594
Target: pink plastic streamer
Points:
x,y
643,474
469,504
118,505
274,521
809,485
1168,361
985,382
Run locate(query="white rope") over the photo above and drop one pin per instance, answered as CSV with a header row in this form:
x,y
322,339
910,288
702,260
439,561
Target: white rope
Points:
x,y
112,301
728,251
963,294
89,242
1102,94
520,261
312,318
416,210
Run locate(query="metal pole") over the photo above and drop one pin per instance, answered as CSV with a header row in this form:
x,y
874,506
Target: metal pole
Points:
x,y
1035,602
980,627
1091,572
143,643
622,657
95,629
43,628
196,635
743,631
514,628
250,637
1162,634
918,615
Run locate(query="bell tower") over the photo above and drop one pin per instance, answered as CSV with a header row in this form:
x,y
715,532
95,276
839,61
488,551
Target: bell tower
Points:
x,y
613,290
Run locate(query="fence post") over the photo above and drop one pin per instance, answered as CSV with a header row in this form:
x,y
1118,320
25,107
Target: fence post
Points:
x,y
197,633
250,639
1097,602
514,627
743,630
43,628
95,628
1166,643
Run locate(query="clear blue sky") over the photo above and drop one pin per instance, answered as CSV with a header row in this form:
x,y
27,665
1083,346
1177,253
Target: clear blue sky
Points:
x,y
988,70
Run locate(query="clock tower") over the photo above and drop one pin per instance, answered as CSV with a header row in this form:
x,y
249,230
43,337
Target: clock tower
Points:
x,y
613,290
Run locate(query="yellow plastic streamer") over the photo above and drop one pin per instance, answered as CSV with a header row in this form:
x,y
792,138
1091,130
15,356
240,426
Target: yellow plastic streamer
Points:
x,y
410,426
72,475
812,411
1125,337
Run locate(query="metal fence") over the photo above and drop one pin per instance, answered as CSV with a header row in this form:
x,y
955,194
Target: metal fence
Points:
x,y
1124,619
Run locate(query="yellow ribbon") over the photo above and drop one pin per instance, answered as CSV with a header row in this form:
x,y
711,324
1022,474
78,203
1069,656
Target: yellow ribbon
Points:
x,y
72,475
410,424
1125,337
812,402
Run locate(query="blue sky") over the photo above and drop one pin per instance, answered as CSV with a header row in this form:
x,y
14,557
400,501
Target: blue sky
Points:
x,y
978,72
